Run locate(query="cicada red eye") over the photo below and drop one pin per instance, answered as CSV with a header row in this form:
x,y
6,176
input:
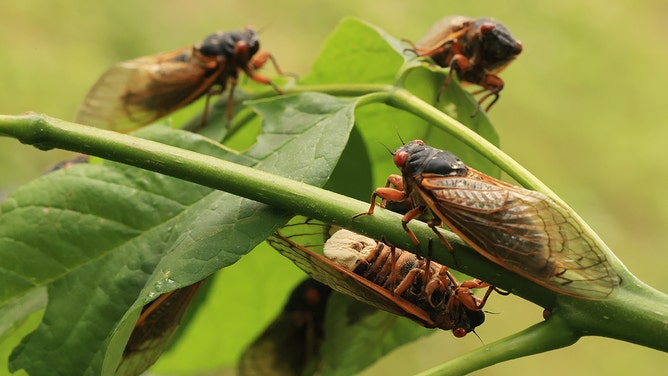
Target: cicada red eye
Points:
x,y
400,158
487,27
459,332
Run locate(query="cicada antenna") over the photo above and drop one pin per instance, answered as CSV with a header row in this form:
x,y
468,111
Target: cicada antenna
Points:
x,y
476,334
388,149
401,139
261,29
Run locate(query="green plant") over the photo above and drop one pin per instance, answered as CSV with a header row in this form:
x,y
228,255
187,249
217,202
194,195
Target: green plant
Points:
x,y
98,241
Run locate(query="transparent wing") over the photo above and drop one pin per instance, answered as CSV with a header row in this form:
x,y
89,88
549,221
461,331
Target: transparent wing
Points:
x,y
446,30
523,231
137,92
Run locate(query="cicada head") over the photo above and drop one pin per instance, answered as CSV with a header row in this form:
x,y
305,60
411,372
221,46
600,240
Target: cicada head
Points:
x,y
493,44
467,321
416,158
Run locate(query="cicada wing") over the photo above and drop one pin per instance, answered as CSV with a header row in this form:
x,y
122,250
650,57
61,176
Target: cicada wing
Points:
x,y
347,282
523,231
137,92
446,30
155,329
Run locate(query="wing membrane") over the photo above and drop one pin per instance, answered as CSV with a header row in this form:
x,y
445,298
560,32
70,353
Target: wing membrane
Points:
x,y
522,230
138,92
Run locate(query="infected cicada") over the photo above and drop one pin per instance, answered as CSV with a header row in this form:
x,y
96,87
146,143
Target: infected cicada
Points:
x,y
522,230
477,49
390,279
138,92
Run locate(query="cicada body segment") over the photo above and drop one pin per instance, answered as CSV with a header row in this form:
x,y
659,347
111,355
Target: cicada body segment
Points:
x,y
140,91
477,49
522,230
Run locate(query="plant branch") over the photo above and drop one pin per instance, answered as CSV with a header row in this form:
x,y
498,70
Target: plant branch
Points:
x,y
46,133
634,312
545,336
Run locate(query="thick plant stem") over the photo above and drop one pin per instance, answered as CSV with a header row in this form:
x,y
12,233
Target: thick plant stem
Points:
x,y
634,312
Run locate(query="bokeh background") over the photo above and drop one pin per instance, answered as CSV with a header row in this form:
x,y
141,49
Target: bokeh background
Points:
x,y
584,109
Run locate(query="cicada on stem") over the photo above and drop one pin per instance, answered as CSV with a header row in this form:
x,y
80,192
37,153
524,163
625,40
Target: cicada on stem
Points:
x,y
390,279
524,231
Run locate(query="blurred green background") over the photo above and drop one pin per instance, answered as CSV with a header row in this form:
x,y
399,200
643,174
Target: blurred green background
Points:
x,y
584,109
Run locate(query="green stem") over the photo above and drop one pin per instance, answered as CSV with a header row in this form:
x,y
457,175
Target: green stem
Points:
x,y
545,336
634,312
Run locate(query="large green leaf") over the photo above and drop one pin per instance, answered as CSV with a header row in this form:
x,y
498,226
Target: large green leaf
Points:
x,y
357,52
357,335
107,238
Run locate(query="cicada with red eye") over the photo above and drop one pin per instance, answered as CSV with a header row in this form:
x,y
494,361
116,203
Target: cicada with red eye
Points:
x,y
390,279
155,328
524,231
477,49
140,91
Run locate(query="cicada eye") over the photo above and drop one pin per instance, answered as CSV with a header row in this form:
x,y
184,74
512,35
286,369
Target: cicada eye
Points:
x,y
487,27
419,142
400,158
518,47
459,332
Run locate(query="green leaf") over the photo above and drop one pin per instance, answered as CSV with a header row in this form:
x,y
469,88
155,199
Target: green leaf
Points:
x,y
357,52
357,335
105,239
352,54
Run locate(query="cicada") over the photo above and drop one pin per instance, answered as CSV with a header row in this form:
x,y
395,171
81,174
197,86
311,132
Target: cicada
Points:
x,y
290,345
390,279
477,49
140,91
155,328
524,231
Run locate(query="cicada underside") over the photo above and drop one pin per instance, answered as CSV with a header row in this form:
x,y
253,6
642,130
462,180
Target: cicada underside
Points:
x,y
390,279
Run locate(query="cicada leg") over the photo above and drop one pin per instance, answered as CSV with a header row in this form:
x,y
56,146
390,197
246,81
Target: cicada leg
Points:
x,y
494,84
468,299
257,62
386,193
458,63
